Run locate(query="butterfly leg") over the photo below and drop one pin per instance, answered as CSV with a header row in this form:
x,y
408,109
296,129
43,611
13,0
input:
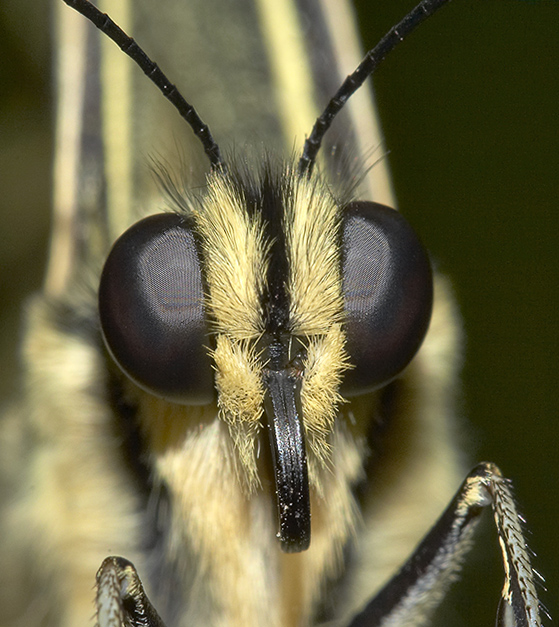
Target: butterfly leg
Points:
x,y
121,600
409,598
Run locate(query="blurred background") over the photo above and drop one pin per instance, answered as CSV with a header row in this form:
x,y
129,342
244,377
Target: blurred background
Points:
x,y
469,109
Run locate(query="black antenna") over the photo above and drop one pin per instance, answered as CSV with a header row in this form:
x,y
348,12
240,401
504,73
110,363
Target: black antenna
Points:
x,y
353,82
104,23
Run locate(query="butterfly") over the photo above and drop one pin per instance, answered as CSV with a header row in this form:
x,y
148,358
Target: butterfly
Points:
x,y
81,318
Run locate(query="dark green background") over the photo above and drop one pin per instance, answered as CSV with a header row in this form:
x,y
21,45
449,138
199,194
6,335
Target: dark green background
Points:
x,y
469,108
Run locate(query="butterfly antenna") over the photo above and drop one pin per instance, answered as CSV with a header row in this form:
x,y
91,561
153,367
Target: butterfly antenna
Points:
x,y
104,23
353,82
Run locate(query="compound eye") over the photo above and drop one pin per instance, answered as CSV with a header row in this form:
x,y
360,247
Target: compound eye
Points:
x,y
151,306
388,294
